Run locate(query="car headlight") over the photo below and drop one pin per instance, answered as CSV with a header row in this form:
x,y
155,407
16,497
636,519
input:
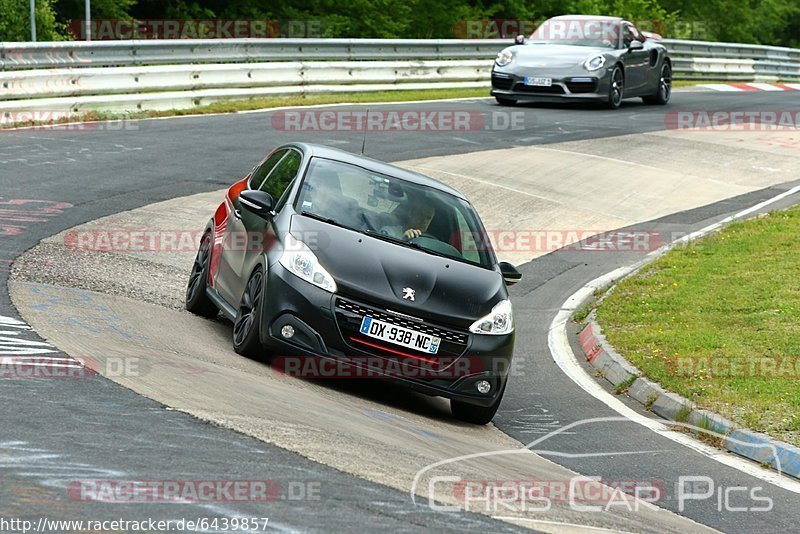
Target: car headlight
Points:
x,y
499,321
298,259
504,58
594,63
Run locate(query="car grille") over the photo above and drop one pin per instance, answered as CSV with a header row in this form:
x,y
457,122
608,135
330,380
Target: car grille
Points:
x,y
349,315
542,90
501,82
582,86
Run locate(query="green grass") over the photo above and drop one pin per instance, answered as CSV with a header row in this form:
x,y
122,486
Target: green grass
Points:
x,y
677,84
581,315
332,98
232,106
623,387
734,296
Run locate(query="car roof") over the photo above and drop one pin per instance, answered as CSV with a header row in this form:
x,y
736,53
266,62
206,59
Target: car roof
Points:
x,y
587,17
373,165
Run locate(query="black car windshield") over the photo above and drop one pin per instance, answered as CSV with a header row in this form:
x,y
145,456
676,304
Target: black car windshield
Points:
x,y
395,210
598,33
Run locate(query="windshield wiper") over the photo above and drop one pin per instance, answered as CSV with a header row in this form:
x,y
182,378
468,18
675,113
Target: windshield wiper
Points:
x,y
408,244
323,219
384,237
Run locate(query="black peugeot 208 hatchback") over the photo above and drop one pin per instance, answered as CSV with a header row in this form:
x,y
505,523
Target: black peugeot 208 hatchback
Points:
x,y
326,255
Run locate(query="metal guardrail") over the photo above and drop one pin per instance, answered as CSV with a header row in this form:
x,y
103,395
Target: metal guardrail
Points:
x,y
59,82
68,77
14,56
701,60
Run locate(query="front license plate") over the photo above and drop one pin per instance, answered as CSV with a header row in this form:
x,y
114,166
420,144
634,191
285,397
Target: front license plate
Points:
x,y
540,82
399,335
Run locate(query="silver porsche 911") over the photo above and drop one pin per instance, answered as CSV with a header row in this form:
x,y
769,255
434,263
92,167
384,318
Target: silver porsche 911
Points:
x,y
580,57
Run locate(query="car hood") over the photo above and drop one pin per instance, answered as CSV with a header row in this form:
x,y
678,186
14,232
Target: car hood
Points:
x,y
554,56
378,272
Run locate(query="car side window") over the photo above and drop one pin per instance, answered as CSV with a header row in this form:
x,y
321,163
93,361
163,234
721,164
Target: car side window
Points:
x,y
636,33
262,171
469,247
284,198
628,35
282,174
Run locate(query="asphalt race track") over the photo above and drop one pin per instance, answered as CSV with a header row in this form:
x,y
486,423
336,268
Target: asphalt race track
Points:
x,y
55,432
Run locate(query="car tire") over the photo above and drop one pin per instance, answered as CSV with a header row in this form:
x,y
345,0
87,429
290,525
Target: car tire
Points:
x,y
664,89
477,415
197,300
505,101
246,325
616,88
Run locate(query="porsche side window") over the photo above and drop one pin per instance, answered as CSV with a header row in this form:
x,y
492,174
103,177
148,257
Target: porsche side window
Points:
x,y
282,174
635,34
628,35
263,171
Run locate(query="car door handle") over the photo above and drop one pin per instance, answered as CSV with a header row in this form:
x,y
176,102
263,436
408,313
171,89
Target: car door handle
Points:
x,y
237,214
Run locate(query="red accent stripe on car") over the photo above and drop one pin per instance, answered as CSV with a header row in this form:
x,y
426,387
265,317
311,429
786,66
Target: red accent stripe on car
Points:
x,y
400,353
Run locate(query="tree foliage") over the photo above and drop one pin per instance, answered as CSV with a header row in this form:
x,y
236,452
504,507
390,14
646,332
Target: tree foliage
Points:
x,y
775,22
15,22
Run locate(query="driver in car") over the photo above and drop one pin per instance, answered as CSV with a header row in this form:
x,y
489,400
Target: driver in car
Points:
x,y
411,220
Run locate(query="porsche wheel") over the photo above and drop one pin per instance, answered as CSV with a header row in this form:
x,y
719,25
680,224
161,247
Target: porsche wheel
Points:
x,y
664,89
197,301
616,89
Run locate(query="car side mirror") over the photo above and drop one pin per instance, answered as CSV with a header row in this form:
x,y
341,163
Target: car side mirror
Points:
x,y
510,273
519,39
635,45
257,202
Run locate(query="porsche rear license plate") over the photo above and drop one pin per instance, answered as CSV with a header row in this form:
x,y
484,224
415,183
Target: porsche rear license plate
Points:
x,y
399,335
540,82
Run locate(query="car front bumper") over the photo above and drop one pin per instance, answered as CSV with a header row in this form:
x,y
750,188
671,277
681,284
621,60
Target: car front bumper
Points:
x,y
323,325
572,85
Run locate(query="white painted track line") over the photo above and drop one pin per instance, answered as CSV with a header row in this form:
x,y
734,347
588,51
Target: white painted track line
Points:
x,y
720,87
765,86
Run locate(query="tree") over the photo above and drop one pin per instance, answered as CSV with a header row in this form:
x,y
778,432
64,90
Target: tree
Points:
x,y
15,22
